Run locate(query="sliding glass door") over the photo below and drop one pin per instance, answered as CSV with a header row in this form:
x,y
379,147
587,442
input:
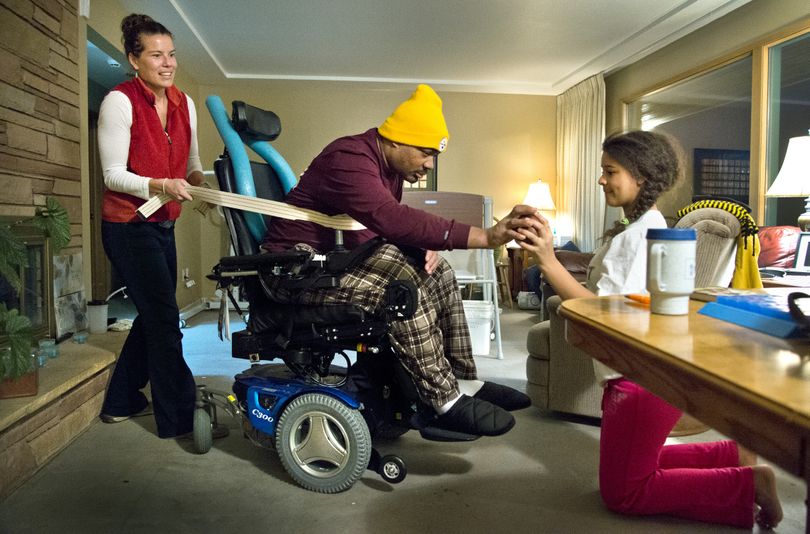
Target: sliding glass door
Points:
x,y
710,115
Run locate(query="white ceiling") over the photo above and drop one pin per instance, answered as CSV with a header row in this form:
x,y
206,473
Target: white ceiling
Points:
x,y
540,47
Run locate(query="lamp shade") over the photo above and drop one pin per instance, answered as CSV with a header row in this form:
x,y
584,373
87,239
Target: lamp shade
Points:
x,y
793,179
539,196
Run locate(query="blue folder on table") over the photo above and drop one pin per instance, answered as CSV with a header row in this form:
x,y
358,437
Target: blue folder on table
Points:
x,y
765,313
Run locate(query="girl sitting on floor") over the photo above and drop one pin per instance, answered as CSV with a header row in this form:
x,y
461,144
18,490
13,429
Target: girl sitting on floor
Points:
x,y
714,482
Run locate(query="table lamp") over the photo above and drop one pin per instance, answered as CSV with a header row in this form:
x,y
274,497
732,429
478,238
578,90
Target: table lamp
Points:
x,y
793,179
539,196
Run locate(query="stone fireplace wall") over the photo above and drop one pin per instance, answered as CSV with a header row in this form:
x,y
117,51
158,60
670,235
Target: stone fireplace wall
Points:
x,y
40,109
40,157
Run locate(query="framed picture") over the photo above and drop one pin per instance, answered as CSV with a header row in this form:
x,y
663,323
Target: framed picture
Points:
x,y
721,172
428,183
802,261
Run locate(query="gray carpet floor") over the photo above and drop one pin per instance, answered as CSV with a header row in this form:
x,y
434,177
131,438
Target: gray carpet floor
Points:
x,y
540,477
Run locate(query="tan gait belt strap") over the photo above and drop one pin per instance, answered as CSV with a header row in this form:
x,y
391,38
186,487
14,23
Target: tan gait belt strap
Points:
x,y
255,205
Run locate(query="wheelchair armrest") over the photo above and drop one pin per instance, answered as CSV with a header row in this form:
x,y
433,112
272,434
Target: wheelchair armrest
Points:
x,y
264,262
293,269
295,262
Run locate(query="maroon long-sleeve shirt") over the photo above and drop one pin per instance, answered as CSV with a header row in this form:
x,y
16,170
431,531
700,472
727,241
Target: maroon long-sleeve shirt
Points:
x,y
349,176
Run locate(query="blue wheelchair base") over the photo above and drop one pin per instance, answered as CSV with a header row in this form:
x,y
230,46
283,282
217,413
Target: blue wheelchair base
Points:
x,y
318,431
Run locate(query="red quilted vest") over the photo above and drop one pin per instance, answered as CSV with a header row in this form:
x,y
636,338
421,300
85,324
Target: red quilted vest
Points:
x,y
153,152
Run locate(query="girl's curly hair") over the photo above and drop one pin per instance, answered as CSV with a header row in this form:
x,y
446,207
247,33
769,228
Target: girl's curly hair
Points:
x,y
135,25
656,160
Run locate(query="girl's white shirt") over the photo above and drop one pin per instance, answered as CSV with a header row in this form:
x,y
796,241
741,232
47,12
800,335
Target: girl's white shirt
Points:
x,y
619,267
114,125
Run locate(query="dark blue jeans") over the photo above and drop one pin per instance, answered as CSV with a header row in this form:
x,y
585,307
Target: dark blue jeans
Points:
x,y
145,257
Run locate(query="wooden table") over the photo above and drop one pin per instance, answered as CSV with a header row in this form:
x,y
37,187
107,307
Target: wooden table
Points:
x,y
750,386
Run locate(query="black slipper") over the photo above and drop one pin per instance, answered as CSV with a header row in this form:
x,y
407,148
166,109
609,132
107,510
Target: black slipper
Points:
x,y
475,416
503,396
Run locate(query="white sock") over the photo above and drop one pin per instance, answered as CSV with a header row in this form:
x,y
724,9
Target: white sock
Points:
x,y
447,405
469,387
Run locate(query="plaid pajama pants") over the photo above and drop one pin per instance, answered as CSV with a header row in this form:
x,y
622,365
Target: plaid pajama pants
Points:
x,y
434,344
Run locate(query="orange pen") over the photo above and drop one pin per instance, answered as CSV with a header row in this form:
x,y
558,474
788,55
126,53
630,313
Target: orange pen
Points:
x,y
642,299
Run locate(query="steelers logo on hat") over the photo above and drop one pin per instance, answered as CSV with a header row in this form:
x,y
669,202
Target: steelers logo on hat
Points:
x,y
442,144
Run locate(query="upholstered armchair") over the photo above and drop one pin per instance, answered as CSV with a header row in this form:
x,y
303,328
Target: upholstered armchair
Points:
x,y
778,246
561,378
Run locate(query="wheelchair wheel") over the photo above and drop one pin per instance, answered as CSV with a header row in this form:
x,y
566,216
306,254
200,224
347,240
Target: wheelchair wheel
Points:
x,y
392,469
203,432
323,444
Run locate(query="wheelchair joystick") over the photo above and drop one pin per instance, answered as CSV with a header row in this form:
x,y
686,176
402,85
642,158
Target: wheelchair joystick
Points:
x,y
339,241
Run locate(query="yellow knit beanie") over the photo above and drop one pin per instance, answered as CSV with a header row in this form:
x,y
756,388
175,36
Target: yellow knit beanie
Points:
x,y
418,121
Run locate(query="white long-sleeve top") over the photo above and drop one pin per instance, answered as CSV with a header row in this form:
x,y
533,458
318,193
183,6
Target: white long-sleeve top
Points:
x,y
114,125
619,267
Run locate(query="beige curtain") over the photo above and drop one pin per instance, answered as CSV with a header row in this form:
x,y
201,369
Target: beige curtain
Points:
x,y
580,131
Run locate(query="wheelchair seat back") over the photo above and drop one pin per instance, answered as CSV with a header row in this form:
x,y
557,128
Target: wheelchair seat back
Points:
x,y
251,125
267,186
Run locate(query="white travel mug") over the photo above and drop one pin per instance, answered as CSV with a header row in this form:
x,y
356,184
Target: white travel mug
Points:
x,y
670,269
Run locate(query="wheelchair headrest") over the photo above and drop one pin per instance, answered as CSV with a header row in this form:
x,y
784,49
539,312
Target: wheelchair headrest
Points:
x,y
257,123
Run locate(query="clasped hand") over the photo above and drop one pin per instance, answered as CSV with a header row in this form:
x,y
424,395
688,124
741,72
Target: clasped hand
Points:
x,y
518,225
537,237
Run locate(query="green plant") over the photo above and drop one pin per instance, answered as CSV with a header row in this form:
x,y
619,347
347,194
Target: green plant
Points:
x,y
54,222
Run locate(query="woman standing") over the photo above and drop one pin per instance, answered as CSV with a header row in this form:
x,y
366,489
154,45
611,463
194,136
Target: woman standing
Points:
x,y
714,482
148,145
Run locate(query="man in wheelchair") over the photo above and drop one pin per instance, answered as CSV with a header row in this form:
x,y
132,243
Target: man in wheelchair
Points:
x,y
362,176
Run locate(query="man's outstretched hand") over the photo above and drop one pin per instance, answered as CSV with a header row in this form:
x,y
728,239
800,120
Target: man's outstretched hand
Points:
x,y
509,227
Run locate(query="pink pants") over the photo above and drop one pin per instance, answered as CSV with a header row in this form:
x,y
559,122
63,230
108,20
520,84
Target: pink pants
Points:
x,y
638,475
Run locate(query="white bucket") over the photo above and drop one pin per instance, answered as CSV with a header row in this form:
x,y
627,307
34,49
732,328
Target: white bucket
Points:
x,y
479,320
97,316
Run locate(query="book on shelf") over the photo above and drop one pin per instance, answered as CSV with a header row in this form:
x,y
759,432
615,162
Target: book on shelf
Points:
x,y
766,312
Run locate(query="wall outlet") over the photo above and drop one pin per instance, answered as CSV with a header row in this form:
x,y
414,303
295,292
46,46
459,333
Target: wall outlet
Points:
x,y
187,280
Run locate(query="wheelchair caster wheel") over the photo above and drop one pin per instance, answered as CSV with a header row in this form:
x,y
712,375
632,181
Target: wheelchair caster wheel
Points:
x,y
392,469
203,432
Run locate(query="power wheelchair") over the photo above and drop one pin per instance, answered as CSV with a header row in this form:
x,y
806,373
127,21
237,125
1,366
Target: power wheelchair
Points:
x,y
320,417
